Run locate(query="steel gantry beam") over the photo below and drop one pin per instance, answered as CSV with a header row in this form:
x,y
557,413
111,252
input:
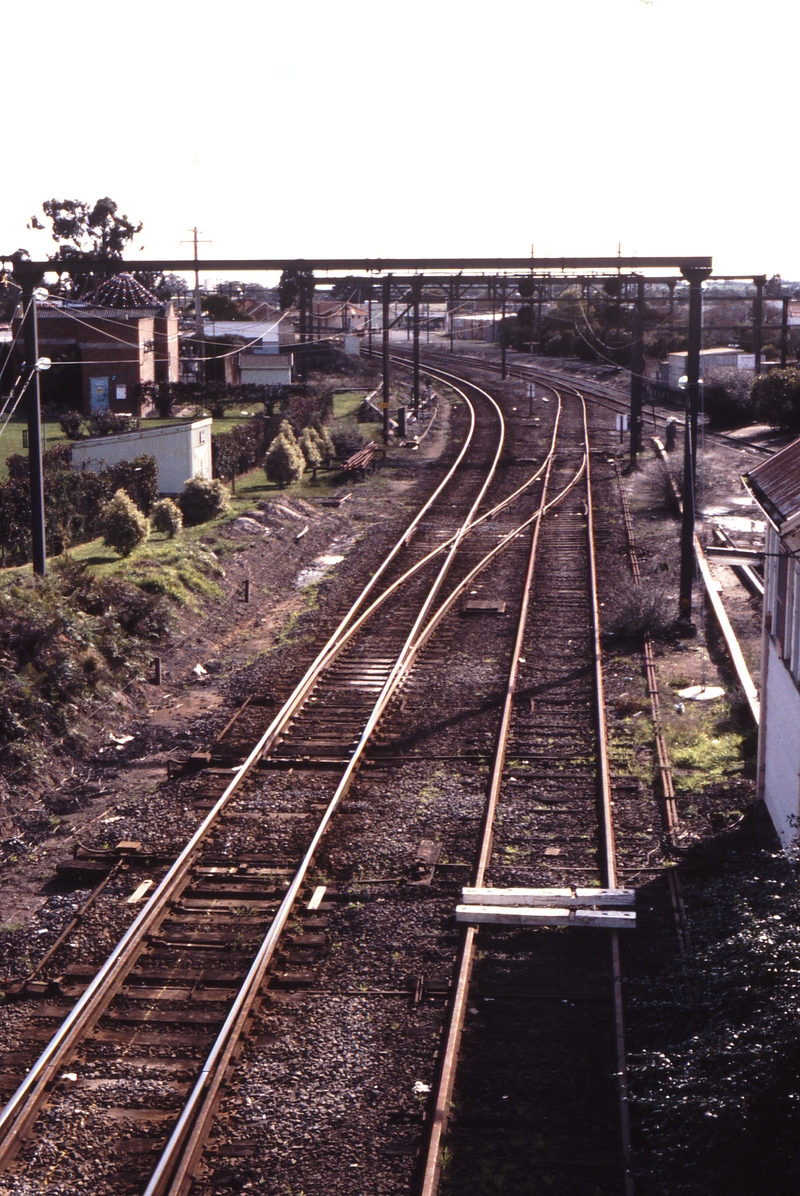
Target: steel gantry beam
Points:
x,y
457,265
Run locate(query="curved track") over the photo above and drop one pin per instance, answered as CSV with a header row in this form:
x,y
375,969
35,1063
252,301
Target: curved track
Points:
x,y
194,904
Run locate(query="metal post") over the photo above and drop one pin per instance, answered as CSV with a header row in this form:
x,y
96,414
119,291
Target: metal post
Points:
x,y
31,340
695,277
758,307
247,590
784,330
503,371
369,320
387,286
687,520
302,300
416,289
157,670
452,312
637,375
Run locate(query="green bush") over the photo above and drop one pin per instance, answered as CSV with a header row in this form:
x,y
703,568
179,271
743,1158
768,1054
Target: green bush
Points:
x,y
112,423
776,397
123,525
203,499
284,462
72,425
727,399
166,517
346,441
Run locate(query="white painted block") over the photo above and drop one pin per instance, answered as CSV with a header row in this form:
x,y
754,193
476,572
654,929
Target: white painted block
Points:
x,y
518,915
549,897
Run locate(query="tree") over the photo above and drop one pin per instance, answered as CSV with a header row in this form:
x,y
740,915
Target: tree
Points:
x,y
123,525
220,307
291,284
83,231
166,517
776,397
284,462
311,447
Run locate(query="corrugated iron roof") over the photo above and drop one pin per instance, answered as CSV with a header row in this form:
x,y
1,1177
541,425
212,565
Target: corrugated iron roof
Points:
x,y
776,483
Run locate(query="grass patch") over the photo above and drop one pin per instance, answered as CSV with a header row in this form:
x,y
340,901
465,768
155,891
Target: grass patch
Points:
x,y
702,754
12,440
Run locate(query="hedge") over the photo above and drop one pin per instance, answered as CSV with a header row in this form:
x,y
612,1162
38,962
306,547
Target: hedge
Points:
x,y
72,500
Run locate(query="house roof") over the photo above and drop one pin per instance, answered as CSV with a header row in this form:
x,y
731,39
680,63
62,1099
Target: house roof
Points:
x,y
775,484
123,290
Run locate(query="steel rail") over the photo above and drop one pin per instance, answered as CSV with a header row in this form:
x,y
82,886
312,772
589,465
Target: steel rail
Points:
x,y
23,1105
187,1140
184,1153
446,1080
466,956
593,394
66,1038
609,846
180,1153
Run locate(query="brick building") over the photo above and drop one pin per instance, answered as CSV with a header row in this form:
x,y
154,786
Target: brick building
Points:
x,y
104,348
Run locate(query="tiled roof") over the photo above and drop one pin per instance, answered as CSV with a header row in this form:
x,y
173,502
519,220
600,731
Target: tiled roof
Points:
x,y
776,484
123,290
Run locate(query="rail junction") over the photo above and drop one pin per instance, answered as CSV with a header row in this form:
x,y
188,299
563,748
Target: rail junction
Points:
x,y
424,842
490,590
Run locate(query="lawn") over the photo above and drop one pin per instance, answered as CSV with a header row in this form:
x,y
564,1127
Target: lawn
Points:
x,y
12,438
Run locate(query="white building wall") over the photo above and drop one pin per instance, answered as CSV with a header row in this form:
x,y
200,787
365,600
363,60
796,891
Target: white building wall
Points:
x,y
779,747
781,732
181,450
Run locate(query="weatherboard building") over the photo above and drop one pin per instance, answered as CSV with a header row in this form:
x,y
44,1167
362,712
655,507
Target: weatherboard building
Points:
x,y
775,485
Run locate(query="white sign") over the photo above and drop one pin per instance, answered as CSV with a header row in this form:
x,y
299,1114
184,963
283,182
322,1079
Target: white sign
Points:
x,y
531,390
622,423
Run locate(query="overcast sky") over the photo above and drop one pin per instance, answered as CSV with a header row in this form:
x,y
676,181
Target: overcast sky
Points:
x,y
416,128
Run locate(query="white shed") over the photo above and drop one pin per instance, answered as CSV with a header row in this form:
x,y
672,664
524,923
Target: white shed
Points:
x,y
266,369
775,484
182,451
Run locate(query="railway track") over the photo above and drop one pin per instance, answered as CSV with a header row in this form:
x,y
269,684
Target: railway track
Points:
x,y
304,941
597,395
189,970
548,823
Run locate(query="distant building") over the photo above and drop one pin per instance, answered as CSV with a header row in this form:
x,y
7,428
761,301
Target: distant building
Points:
x,y
775,485
248,351
337,315
712,361
104,349
182,451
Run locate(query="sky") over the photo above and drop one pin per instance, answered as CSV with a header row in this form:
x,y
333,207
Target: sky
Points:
x,y
416,129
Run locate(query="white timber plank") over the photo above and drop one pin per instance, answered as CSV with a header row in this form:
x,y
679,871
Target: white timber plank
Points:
x,y
549,897
518,915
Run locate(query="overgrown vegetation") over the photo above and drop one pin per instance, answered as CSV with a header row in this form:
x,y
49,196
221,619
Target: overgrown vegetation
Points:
x,y
65,639
73,500
167,518
123,525
203,499
285,461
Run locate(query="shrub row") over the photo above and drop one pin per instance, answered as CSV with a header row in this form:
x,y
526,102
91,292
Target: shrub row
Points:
x,y
73,501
